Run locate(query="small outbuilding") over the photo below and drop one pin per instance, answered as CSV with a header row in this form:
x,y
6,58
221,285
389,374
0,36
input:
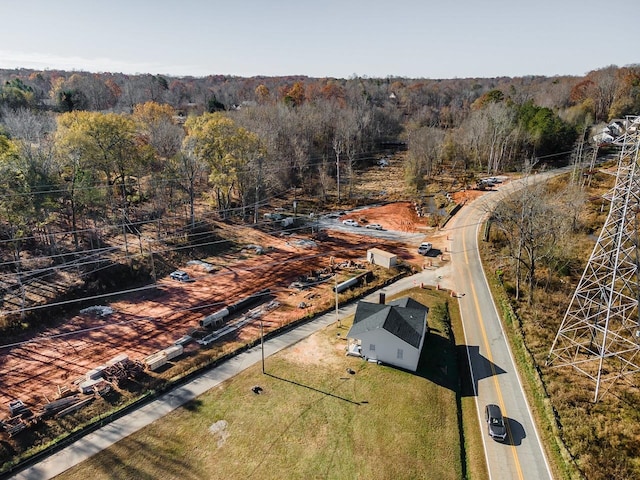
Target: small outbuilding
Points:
x,y
392,333
376,256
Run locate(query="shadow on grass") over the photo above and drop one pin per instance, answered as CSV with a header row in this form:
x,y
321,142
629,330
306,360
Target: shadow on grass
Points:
x,y
193,405
313,389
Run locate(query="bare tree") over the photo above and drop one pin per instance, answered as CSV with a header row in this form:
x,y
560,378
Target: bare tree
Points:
x,y
190,172
424,154
531,221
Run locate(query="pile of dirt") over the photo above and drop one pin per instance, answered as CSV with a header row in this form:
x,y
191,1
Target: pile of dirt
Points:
x,y
400,216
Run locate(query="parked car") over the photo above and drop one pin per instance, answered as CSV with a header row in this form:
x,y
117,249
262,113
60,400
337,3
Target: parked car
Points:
x,y
374,226
495,422
351,223
424,248
180,276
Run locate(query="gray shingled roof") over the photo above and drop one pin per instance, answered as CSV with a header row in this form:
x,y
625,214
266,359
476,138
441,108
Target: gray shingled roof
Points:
x,y
405,318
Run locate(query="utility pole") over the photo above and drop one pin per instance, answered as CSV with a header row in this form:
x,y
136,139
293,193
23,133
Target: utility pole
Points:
x,y
262,342
338,174
124,233
336,289
153,263
258,184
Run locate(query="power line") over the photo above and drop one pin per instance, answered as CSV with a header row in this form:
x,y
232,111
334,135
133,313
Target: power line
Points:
x,y
154,286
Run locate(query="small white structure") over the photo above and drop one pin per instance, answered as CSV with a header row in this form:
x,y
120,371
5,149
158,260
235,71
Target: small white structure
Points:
x,y
390,333
120,358
88,385
376,256
96,373
158,359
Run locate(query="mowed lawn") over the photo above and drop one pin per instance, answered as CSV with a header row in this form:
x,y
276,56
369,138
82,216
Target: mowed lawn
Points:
x,y
312,420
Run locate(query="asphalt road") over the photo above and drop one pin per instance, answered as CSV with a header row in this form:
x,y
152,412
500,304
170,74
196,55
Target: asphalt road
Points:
x,y
494,375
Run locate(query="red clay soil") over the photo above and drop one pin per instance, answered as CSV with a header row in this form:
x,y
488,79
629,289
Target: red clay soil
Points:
x,y
400,216
153,319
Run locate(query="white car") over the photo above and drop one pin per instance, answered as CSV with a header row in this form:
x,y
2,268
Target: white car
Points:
x,y
351,223
180,276
424,248
374,226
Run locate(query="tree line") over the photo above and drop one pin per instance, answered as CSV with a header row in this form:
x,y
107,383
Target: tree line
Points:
x,y
78,149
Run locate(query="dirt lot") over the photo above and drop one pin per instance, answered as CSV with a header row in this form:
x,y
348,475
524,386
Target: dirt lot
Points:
x,y
154,318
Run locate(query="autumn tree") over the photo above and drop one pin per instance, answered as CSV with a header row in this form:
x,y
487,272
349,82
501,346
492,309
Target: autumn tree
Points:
x,y
108,142
16,207
15,94
84,91
627,97
262,93
15,200
156,123
229,151
295,95
78,177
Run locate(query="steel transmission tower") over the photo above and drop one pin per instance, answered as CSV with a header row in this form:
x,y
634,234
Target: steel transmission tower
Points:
x,y
600,333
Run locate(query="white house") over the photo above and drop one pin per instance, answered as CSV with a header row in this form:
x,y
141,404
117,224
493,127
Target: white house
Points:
x,y
390,333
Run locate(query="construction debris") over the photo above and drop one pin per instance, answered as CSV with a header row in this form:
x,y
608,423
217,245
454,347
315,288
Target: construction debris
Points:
x,y
13,425
75,406
16,407
52,408
204,265
98,310
123,370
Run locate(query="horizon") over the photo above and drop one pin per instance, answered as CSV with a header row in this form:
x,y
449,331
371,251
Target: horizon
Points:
x,y
357,38
169,75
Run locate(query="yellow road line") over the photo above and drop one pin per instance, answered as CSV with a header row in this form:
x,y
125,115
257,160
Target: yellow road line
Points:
x,y
495,379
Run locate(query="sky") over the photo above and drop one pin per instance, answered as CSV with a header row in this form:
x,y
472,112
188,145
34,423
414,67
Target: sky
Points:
x,y
321,38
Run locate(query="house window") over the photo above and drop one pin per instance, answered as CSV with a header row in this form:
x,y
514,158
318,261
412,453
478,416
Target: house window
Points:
x,y
400,354
372,347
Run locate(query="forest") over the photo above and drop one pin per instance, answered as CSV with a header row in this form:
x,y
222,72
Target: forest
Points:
x,y
84,155
93,164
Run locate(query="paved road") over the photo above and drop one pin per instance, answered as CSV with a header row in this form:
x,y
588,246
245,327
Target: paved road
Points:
x,y
121,428
493,370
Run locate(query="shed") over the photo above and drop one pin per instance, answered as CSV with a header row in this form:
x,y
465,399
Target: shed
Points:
x,y
392,333
376,256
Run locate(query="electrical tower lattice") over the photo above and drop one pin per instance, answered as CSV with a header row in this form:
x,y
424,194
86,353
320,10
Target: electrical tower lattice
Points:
x,y
600,333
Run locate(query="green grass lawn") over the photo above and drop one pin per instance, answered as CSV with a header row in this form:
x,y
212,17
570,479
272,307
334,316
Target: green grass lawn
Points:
x,y
312,420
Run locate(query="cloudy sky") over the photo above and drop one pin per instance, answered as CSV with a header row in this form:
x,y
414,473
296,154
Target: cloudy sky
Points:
x,y
327,38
